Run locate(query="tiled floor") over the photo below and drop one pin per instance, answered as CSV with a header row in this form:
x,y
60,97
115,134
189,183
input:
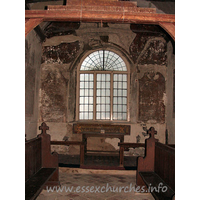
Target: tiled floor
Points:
x,y
95,184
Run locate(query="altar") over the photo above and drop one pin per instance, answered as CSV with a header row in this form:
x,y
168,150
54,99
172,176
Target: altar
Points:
x,y
100,130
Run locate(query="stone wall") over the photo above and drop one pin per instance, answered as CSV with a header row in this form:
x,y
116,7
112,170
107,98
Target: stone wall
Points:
x,y
147,56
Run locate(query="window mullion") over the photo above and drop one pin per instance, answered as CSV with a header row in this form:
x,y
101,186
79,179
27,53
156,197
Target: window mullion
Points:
x,y
103,59
95,91
111,96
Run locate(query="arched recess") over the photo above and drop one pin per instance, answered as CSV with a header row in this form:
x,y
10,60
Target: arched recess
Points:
x,y
76,65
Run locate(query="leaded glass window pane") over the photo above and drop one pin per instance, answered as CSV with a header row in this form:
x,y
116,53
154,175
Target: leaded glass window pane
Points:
x,y
86,96
119,96
103,97
103,60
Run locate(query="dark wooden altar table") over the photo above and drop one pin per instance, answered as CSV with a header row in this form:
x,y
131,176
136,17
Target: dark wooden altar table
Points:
x,y
100,130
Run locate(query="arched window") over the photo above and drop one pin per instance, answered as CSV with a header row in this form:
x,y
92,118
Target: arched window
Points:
x,y
103,87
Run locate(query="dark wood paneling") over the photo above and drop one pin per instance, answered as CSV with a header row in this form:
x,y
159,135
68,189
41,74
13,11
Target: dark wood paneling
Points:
x,y
33,158
41,166
165,163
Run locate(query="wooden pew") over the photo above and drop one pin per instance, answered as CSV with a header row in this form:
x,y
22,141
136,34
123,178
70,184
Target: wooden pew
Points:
x,y
125,145
156,171
41,166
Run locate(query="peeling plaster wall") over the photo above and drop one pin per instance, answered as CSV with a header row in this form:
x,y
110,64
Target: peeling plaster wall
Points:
x,y
33,53
151,97
61,56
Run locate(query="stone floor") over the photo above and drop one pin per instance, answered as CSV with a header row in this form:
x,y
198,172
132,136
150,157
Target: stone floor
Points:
x,y
95,160
88,184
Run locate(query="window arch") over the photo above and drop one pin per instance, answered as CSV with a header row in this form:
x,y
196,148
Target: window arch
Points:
x,y
103,60
103,87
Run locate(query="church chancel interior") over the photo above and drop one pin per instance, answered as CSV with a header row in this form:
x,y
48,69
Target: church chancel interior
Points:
x,y
100,98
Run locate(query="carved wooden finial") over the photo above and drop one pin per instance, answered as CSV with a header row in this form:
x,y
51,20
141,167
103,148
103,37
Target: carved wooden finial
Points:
x,y
43,127
152,132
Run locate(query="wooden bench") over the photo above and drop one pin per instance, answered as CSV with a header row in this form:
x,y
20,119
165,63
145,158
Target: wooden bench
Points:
x,y
156,171
67,143
41,166
124,146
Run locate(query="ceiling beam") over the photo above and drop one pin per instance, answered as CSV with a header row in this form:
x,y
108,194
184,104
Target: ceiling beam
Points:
x,y
100,16
162,0
38,1
30,24
106,9
37,29
102,3
169,28
166,21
